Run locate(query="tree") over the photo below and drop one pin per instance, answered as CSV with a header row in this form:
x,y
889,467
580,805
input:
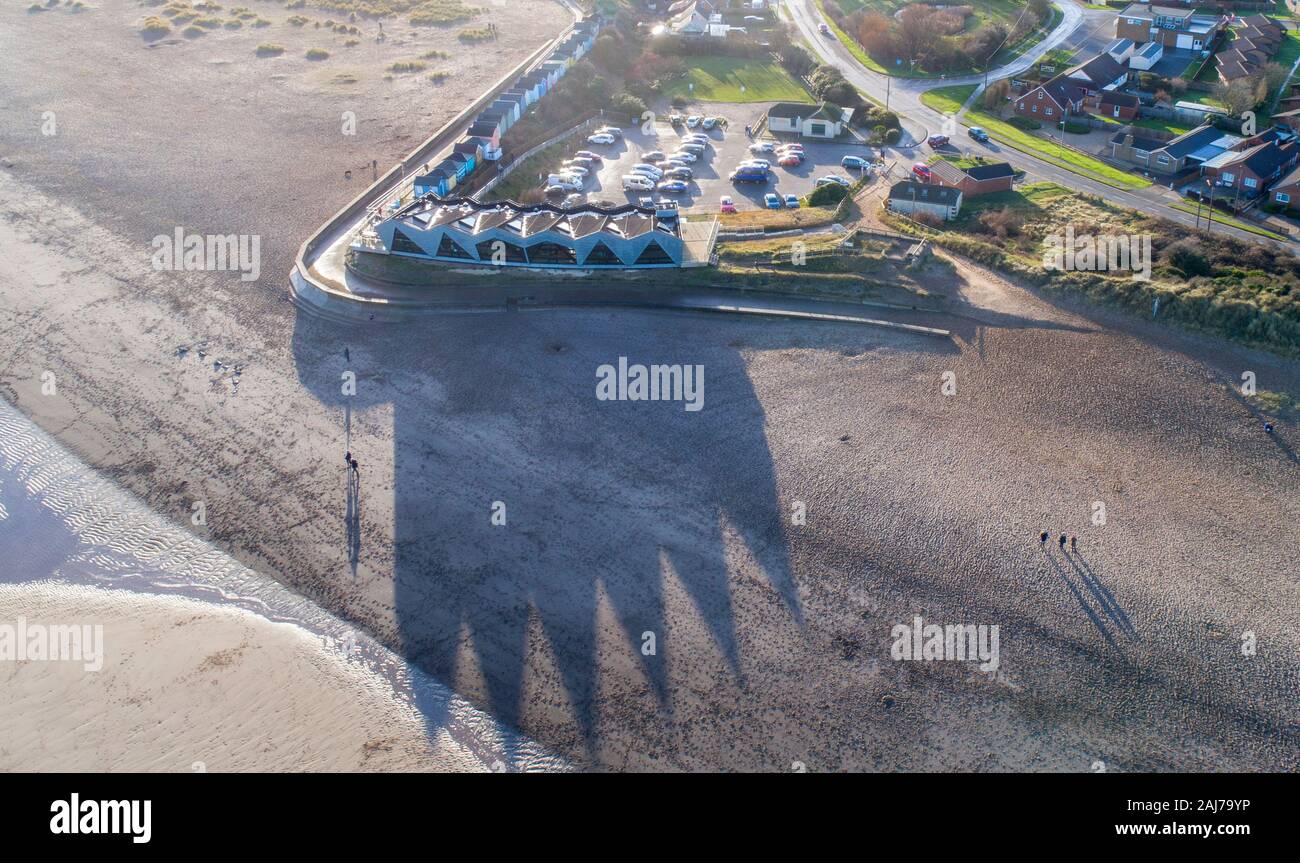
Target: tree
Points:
x,y
997,94
913,31
1237,97
1275,75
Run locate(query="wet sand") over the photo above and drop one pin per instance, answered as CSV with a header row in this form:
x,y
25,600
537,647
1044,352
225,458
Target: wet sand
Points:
x,y
772,638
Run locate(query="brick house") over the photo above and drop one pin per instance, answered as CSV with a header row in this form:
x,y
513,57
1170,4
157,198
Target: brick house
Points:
x,y
1187,151
1170,26
1066,93
975,180
1286,192
1248,173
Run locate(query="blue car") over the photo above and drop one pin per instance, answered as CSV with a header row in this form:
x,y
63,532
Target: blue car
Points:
x,y
772,201
792,201
672,187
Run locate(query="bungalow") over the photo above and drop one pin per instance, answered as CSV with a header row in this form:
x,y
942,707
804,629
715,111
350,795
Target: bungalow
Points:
x,y
810,121
1255,39
1147,56
912,198
1286,192
1248,173
975,180
1184,152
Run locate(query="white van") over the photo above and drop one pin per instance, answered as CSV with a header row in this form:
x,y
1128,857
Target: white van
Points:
x,y
565,180
638,183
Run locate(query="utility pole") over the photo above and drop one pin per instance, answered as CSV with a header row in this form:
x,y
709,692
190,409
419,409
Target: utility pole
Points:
x,y
888,80
1209,213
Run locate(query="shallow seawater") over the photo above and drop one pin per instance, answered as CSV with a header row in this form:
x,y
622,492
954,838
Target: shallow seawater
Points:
x,y
60,521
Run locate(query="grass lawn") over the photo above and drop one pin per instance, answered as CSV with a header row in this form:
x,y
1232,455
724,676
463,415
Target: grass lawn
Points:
x,y
948,100
721,79
1176,127
1050,151
1222,218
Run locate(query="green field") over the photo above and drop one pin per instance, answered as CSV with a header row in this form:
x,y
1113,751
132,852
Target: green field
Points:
x,y
948,100
1050,151
721,79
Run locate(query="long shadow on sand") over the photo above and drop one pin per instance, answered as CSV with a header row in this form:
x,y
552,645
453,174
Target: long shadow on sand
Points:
x,y
614,511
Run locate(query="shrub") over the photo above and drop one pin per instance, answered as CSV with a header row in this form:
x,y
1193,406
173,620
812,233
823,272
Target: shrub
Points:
x,y
476,34
155,27
828,195
269,49
1185,256
404,66
317,54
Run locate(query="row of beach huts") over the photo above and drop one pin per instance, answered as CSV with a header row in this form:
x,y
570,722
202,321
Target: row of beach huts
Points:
x,y
482,140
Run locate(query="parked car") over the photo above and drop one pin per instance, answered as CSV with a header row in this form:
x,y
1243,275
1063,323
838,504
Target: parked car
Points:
x,y
646,201
572,200
588,154
651,170
684,156
753,19
638,183
581,162
791,161
785,148
612,131
978,134
772,201
937,141
792,201
748,175
672,187
762,147
679,174
653,156
832,178
578,170
756,163
703,140
672,162
555,191
708,123
922,171
676,119
694,121
567,183
856,163
600,138
728,205
692,147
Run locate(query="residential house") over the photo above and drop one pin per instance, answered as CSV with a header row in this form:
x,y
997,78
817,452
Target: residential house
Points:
x,y
1185,152
910,197
1118,106
1255,39
1145,57
1286,192
1065,94
1248,173
810,121
975,180
1170,26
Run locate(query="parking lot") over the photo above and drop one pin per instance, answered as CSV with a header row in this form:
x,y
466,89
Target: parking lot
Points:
x,y
709,182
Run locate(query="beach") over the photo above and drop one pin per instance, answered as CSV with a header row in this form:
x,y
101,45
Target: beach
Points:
x,y
648,603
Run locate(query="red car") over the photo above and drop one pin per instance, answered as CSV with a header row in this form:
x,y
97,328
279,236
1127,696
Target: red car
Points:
x,y
588,154
790,161
937,141
728,205
922,171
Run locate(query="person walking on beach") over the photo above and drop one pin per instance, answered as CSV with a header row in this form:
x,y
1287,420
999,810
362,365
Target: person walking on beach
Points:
x,y
1042,539
1062,542
347,458
354,468
1074,543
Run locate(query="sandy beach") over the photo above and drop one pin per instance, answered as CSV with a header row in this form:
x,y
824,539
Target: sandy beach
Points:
x,y
772,637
